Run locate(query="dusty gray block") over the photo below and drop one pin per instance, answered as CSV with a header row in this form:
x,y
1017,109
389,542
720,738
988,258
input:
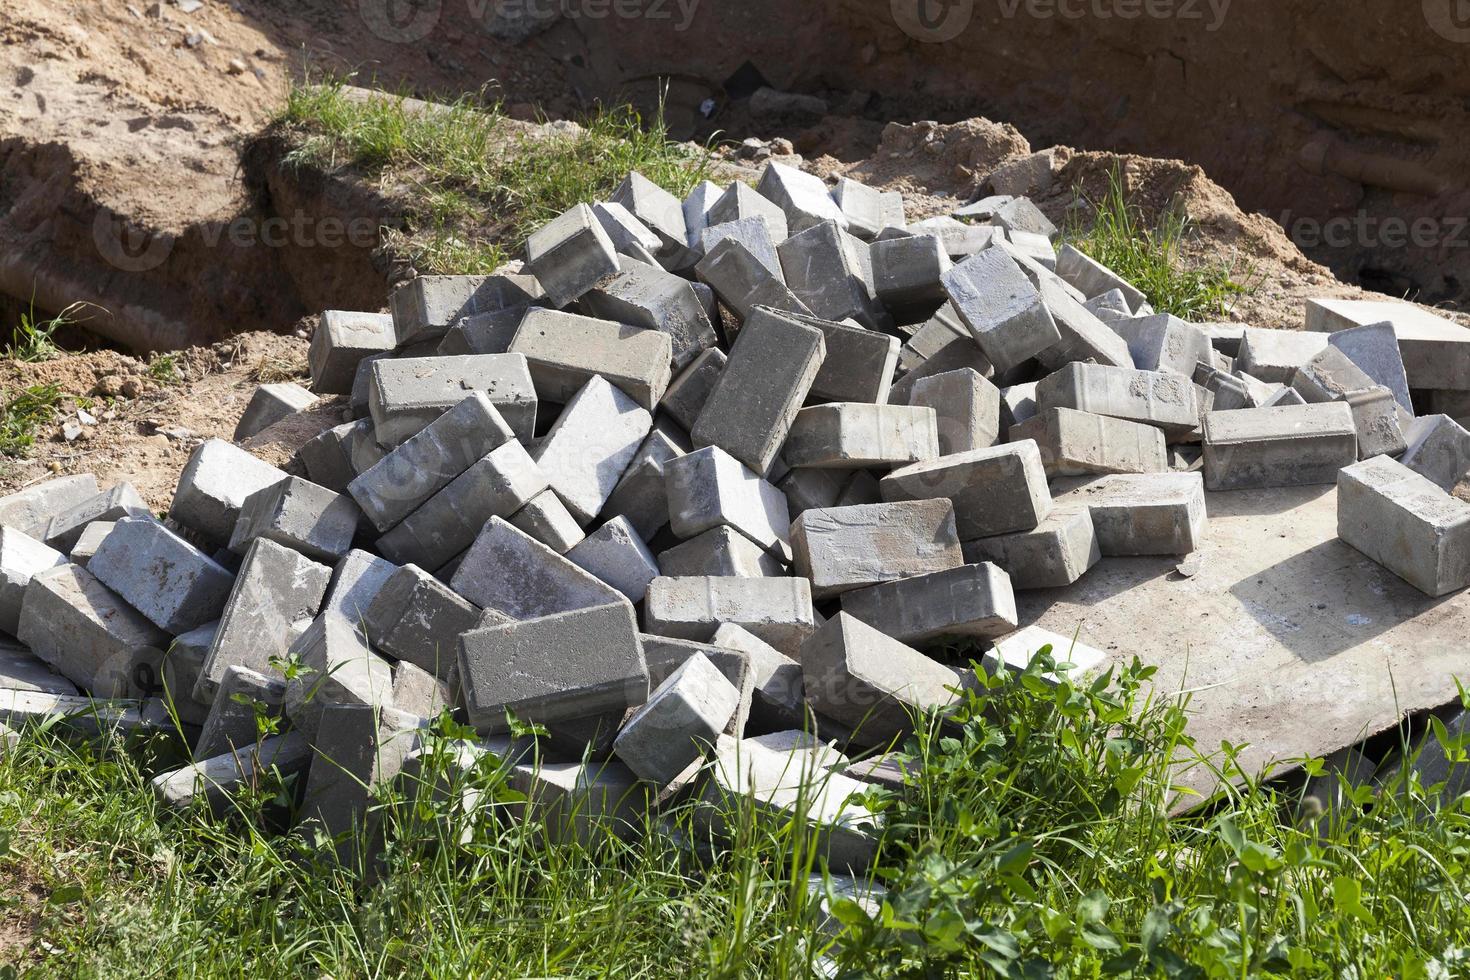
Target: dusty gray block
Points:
x,y
806,489
341,340
664,655
696,211
1002,309
1078,443
338,667
708,488
1113,305
1151,514
971,600
30,510
1019,214
778,610
565,351
846,548
418,619
1035,246
870,682
1374,348
1231,393
298,514
424,308
1165,343
1014,653
21,556
642,495
653,299
1018,403
859,435
402,480
581,801
868,210
778,691
1056,554
1434,766
1093,279
960,239
679,723
499,485
1435,350
21,670
568,254
859,363
1329,376
418,692
995,491
590,446
825,275
908,272
771,369
741,204
687,394
483,333
82,714
625,230
213,487
1150,397
617,555
966,409
1376,416
515,576
1282,398
742,280
231,725
759,233
719,552
1275,355
546,518
89,634
1438,450
1404,522
326,458
215,780
183,662
356,580
1296,445
408,393
358,748
276,593
115,504
561,667
661,211
357,402
269,405
1085,337
802,197
170,581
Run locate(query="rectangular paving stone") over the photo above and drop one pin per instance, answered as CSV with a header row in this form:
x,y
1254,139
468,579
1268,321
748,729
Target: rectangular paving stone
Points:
x,y
641,495
801,196
740,204
566,351
688,392
245,698
483,333
1015,653
341,340
1085,336
1376,416
824,274
742,279
995,491
418,619
1434,349
22,670
418,692
112,505
1274,355
859,363
167,579
183,662
586,452
661,211
215,780
569,253
860,435
508,573
356,579
1079,443
1374,348
1330,375
1150,397
1093,278
1406,523
31,509
299,514
213,486
778,691
678,723
626,231
1296,445
616,554
425,307
270,404
21,556
908,272
721,551
868,210
339,667
326,459
696,211
648,297
1438,449
1165,343
778,610
971,600
1057,553
408,393
1150,514
546,518
709,487
82,714
844,548
1002,309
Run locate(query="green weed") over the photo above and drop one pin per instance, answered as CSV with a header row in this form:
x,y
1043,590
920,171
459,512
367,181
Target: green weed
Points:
x,y
33,339
23,413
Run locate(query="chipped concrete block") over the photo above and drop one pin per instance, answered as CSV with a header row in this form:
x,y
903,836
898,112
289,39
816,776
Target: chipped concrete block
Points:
x,y
30,510
1078,443
696,211
569,254
591,444
1376,416
739,210
971,600
1017,404
679,723
1149,397
546,518
21,556
736,268
778,610
960,239
870,682
1076,661
298,514
341,340
565,666
121,501
908,273
616,554
1002,309
338,667
1151,514
868,210
825,274
664,655
778,691
270,404
624,229
687,394
213,486
408,393
859,363
514,576
708,488
1085,337
802,197
245,699
1438,449
483,333
1278,447
1057,553
846,548
995,491
1274,355
1329,376
661,211
89,634
1434,349
858,435
1019,214
650,298
170,581
425,307
357,749
1165,343
215,780
642,495
1406,523
719,552
565,351
418,619
1374,348
1094,279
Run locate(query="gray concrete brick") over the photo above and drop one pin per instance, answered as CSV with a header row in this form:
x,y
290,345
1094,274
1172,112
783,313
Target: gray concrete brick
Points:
x,y
721,551
483,333
687,393
341,340
1274,355
418,692
565,666
298,514
213,781
121,501
1057,553
665,655
1435,350
825,274
1076,661
1374,348
1151,514
860,435
708,488
772,366
806,489
625,230
356,581
778,691
1282,398
1017,404
82,714
362,386
696,213
653,299
859,363
802,197
1406,523
1037,247
966,409
1231,393
582,801
642,495
1278,447
995,491
424,308
760,234
245,699
276,593
546,518
1085,337
1093,279
358,749
661,211
213,486
1150,397
617,555
408,393
778,610
586,452
678,724
30,510
1376,415
326,460
1329,376
971,600
1002,309
1165,343
568,254
429,461
89,634
868,210
337,667
960,239
21,670
21,556
1113,305
269,405
1438,449
509,573
870,682
168,580
1078,444
844,548
1019,214
908,272
418,619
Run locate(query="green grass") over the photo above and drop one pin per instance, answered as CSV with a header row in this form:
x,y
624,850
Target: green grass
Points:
x,y
33,338
164,368
1150,257
478,187
1033,841
23,413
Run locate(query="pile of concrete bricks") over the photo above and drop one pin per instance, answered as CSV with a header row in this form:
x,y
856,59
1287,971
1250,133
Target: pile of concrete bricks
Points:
x,y
700,488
